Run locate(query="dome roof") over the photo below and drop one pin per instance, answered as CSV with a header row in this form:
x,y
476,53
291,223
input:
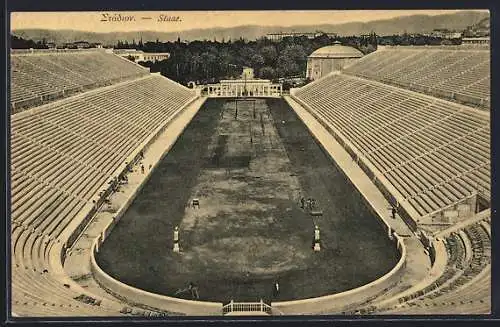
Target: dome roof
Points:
x,y
336,51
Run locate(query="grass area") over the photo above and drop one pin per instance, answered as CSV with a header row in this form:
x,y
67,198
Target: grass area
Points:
x,y
249,172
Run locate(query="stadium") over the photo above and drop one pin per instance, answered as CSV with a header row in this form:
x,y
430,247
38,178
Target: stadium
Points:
x,y
366,191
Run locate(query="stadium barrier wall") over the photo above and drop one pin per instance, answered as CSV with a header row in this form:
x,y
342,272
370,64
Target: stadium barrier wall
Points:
x,y
464,99
468,100
52,51
432,255
26,104
140,298
429,283
482,215
341,301
433,91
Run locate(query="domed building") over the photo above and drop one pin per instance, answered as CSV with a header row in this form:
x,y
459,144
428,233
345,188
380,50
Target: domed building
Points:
x,y
330,58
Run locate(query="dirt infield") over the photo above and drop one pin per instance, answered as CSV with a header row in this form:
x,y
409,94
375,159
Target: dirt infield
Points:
x,y
248,168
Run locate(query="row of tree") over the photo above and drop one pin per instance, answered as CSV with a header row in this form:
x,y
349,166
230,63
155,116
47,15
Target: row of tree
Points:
x,y
415,39
210,61
20,43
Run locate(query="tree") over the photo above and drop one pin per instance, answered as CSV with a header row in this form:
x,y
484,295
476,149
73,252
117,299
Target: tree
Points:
x,y
20,43
322,40
210,60
269,54
257,60
267,72
291,61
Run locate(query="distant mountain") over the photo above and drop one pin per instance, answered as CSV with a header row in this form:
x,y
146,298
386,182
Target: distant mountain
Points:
x,y
410,24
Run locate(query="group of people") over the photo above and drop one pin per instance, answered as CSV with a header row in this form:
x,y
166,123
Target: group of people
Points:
x,y
192,289
142,167
308,203
123,179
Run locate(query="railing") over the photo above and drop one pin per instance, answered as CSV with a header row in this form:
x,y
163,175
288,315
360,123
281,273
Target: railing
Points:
x,y
240,89
247,307
451,205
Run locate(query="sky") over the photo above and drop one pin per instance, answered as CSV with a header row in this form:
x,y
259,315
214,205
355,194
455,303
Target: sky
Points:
x,y
173,21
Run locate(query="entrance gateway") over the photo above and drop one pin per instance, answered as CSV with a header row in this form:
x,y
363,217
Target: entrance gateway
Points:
x,y
249,309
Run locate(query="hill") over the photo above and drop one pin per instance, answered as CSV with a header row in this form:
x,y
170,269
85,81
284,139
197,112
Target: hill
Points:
x,y
410,24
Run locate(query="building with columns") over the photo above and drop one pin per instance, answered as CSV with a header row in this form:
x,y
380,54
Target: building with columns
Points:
x,y
480,41
141,56
243,88
277,37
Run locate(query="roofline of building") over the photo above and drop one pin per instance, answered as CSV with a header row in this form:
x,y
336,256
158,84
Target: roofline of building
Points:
x,y
336,55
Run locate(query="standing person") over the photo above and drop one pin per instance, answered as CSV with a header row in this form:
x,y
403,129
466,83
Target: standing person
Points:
x,y
142,168
276,289
393,213
316,234
194,290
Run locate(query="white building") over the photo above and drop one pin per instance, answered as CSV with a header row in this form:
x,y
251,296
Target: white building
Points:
x,y
139,55
310,35
330,58
243,88
476,40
